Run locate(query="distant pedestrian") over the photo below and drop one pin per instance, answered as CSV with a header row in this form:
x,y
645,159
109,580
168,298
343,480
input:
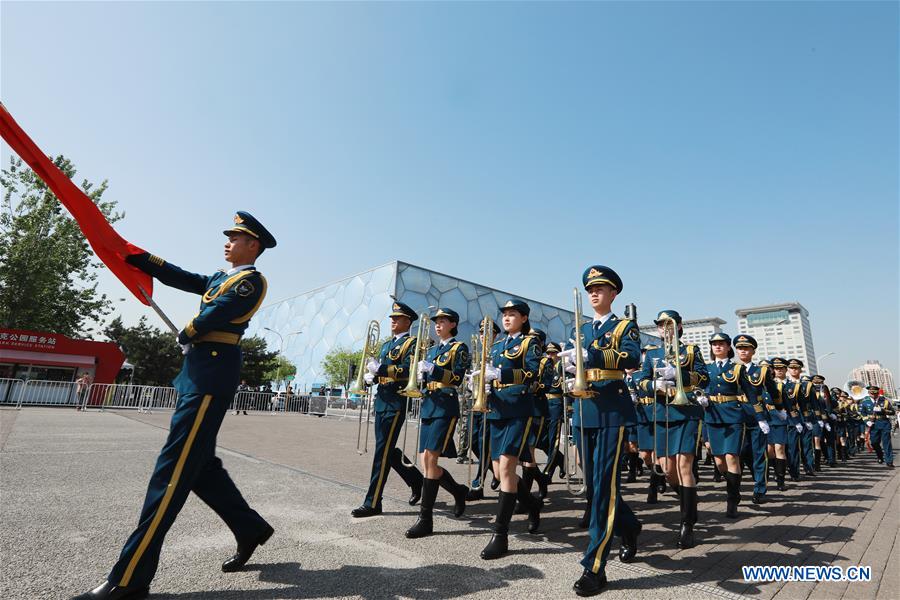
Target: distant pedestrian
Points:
x,y
243,387
82,385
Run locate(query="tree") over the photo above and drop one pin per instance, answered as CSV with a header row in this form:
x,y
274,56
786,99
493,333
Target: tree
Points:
x,y
258,361
48,275
280,370
336,365
154,353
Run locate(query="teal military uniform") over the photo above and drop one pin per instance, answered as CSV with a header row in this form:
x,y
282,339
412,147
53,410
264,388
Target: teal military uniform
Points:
x,y
391,376
769,410
878,410
440,406
555,416
206,386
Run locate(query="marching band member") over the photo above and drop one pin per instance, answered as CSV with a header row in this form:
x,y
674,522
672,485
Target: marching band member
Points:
x,y
729,388
677,427
779,418
442,371
391,371
554,415
789,397
827,418
483,455
631,436
206,385
611,345
843,421
537,437
645,409
514,365
878,410
760,425
801,393
817,404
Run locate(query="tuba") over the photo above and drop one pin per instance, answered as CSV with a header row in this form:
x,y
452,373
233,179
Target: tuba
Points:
x,y
359,387
856,389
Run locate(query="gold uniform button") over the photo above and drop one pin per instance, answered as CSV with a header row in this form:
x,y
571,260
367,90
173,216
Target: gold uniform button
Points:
x,y
215,353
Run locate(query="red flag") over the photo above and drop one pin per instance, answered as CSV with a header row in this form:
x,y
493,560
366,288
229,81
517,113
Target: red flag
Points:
x,y
109,246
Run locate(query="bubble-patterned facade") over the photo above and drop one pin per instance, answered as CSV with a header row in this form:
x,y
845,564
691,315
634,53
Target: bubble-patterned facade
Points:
x,y
337,315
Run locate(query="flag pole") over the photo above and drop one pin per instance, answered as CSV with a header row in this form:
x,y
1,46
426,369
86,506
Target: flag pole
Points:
x,y
158,310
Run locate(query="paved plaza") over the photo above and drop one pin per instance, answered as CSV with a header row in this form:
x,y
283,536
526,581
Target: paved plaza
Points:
x,y
72,485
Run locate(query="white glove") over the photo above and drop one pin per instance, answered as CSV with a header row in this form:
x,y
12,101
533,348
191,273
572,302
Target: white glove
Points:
x,y
570,368
372,365
702,400
487,389
876,408
667,372
425,367
808,426
369,378
569,355
869,423
570,383
763,426
185,348
821,423
782,414
833,417
491,373
799,427
827,427
662,385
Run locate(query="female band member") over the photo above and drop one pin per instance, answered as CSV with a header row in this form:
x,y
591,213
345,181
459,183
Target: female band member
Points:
x,y
729,388
442,371
677,426
515,360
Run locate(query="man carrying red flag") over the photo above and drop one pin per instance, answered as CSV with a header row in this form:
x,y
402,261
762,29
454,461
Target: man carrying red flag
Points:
x,y
206,387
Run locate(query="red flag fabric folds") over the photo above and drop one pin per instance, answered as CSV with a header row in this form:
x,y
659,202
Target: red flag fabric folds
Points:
x,y
109,246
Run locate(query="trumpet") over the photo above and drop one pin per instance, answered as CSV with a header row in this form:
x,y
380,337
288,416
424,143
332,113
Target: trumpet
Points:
x,y
359,387
478,396
413,388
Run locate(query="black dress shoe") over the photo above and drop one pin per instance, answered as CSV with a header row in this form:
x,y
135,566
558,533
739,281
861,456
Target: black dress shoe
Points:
x,y
590,584
758,499
415,495
628,549
890,465
473,495
245,551
365,511
497,547
108,591
422,528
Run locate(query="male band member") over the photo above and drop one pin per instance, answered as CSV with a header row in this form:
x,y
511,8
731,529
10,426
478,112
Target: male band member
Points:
x,y
802,395
391,371
878,410
728,389
555,458
762,380
442,371
514,364
677,426
610,346
206,386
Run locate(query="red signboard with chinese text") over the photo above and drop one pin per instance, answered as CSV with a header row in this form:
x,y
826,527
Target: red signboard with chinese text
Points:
x,y
53,348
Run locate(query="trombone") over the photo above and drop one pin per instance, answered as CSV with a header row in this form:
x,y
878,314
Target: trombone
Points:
x,y
672,355
580,390
478,395
414,389
370,349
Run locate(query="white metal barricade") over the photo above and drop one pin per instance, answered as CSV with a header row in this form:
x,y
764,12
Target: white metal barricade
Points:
x,y
254,401
48,393
144,398
10,389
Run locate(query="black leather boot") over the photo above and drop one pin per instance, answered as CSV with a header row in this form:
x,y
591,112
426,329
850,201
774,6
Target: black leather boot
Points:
x,y
688,517
499,544
532,506
108,591
589,584
717,474
628,549
245,551
817,460
424,526
780,464
457,490
653,491
733,483
542,481
632,467
695,468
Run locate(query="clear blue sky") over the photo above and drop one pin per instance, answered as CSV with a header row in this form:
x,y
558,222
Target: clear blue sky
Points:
x,y
718,155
